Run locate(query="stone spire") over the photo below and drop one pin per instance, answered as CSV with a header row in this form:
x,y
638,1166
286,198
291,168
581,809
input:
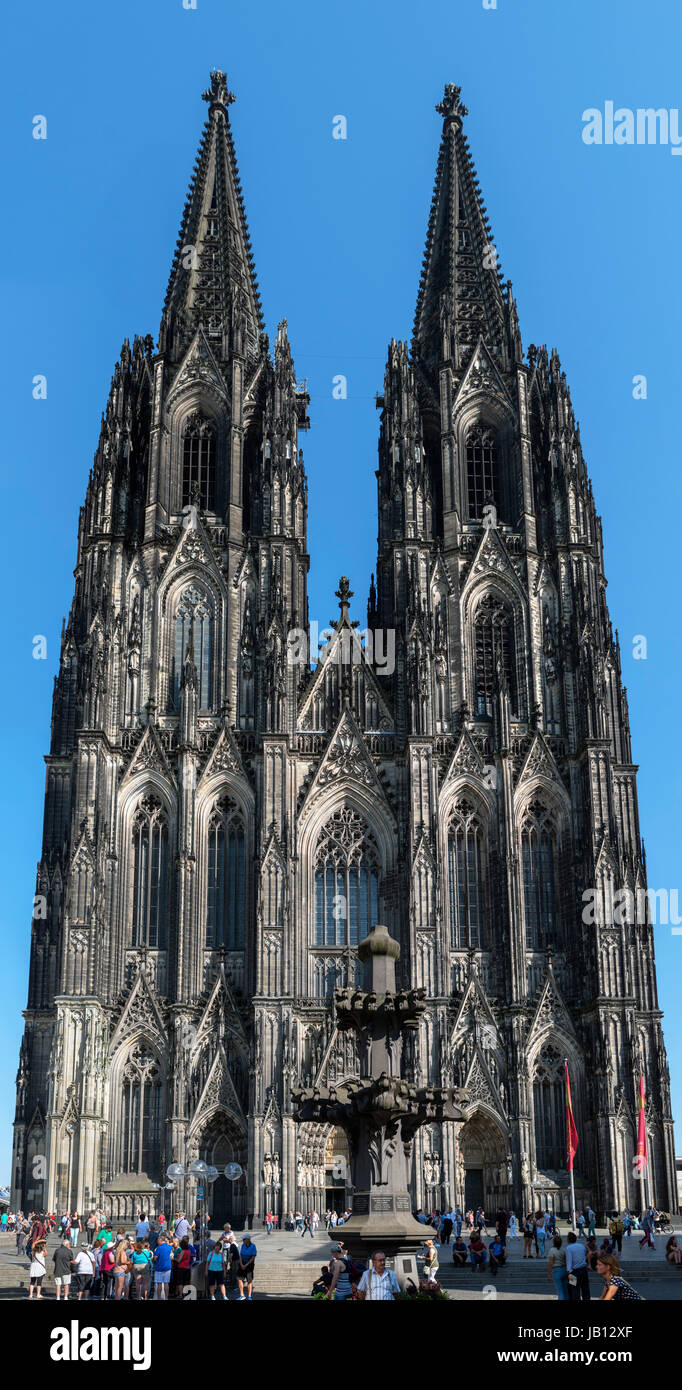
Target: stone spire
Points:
x,y
460,294
213,280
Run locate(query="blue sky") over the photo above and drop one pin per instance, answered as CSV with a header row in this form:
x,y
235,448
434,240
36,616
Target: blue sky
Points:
x,y
589,236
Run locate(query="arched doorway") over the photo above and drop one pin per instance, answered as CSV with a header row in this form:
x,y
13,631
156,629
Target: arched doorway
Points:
x,y
222,1142
337,1171
483,1163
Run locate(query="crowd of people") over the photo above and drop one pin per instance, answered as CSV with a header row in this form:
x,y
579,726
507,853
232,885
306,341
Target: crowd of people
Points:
x,y
155,1261
158,1258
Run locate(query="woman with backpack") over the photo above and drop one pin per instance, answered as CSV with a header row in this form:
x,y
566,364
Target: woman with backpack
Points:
x,y
182,1261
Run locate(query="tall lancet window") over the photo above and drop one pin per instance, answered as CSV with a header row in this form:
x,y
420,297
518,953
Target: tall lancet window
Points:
x,y
226,878
549,1109
141,1113
465,878
539,889
483,484
494,657
193,625
198,463
346,881
150,874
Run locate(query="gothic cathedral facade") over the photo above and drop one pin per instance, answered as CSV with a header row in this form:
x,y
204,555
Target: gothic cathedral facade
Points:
x,y
223,822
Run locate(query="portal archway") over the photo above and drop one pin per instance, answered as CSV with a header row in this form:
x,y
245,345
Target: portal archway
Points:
x,y
223,1141
484,1163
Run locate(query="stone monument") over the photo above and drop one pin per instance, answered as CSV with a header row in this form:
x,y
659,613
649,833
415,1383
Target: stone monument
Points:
x,y
381,1112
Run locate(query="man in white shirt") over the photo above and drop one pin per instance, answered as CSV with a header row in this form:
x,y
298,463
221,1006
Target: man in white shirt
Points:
x,y
378,1282
182,1227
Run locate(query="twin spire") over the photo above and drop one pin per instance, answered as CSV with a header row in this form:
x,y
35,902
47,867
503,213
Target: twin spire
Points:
x,y
213,279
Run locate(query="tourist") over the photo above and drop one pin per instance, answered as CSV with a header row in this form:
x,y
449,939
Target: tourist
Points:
x,y
141,1260
231,1252
580,1223
64,1222
247,1265
540,1234
75,1228
379,1283
576,1266
480,1222
627,1224
673,1252
162,1267
430,1261
648,1229
592,1221
497,1252
91,1228
181,1226
84,1271
106,1269
501,1224
528,1235
23,1230
62,1269
269,1222
122,1266
477,1252
615,1287
307,1226
446,1227
340,1287
323,1282
459,1252
182,1263
215,1270
142,1227
591,1252
616,1231
459,1221
422,1217
514,1232
36,1271
556,1269
298,1221
551,1224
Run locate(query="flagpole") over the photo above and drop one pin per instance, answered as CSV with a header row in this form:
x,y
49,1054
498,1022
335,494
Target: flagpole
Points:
x,y
570,1155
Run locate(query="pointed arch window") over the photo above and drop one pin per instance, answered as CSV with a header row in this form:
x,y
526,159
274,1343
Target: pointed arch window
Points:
x,y
226,903
465,877
139,1139
549,1110
482,470
346,881
539,889
494,654
150,875
193,628
198,463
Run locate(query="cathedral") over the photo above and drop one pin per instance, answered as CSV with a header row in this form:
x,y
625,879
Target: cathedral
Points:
x,y
226,818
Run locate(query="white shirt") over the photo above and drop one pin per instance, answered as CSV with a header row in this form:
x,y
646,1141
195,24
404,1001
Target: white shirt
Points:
x,y
85,1263
383,1286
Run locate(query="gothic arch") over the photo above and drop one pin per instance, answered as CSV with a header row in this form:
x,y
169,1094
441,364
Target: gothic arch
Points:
x,y
179,586
137,1086
195,398
509,596
149,782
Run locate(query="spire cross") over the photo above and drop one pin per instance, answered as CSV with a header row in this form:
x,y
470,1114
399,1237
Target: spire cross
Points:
x,y
218,94
451,108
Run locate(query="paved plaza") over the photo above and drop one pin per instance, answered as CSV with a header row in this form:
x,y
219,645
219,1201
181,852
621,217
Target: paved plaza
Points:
x,y
288,1263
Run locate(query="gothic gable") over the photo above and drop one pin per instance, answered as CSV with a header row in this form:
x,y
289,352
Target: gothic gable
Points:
x,y
198,368
149,756
480,1087
337,662
540,763
219,1092
466,761
473,1014
551,1014
346,761
224,758
141,1014
482,377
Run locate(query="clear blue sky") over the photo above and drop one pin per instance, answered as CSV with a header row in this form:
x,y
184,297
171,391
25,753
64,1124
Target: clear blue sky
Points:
x,y
589,236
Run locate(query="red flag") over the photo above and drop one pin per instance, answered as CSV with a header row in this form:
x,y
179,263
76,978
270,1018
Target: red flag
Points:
x,y
571,1131
641,1128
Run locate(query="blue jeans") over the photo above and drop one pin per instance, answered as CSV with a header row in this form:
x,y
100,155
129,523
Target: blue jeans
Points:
x,y
307,1231
478,1259
560,1277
